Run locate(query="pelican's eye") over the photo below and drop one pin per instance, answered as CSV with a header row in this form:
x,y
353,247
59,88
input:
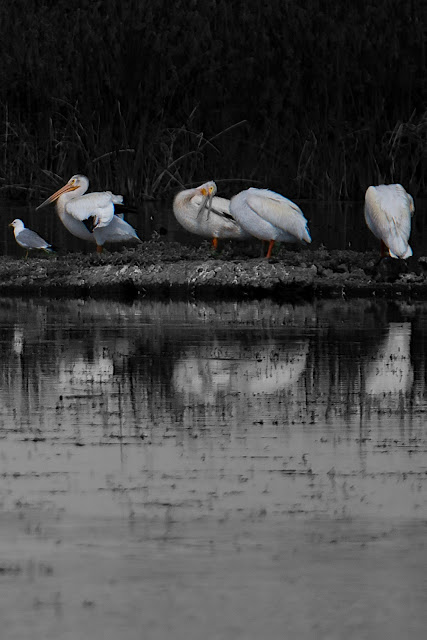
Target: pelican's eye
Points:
x,y
211,189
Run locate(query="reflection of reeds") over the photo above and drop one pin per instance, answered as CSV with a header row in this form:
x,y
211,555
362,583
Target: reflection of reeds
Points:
x,y
332,99
291,362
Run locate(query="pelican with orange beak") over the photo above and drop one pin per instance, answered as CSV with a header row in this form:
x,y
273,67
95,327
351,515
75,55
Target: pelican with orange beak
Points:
x,y
202,212
90,216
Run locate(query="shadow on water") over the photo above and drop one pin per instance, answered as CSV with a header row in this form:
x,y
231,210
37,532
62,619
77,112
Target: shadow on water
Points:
x,y
220,444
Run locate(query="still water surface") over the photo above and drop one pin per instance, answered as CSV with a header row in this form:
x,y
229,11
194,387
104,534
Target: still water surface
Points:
x,y
224,470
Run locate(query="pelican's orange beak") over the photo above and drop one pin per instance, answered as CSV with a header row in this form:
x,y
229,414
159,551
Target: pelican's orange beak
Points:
x,y
207,192
65,189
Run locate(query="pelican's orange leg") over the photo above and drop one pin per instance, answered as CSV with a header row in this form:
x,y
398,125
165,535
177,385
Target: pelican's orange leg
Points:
x,y
270,249
214,244
99,248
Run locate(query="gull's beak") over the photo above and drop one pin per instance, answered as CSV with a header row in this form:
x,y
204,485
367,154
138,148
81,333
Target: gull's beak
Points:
x,y
55,196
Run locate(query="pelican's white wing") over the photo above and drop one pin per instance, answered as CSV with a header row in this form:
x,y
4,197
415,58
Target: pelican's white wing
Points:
x,y
117,231
220,206
388,212
278,211
99,205
213,220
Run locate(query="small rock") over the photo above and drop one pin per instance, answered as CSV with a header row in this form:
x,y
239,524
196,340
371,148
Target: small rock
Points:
x,y
342,268
327,273
358,274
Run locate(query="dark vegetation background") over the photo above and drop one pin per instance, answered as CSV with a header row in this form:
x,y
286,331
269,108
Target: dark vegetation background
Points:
x,y
314,101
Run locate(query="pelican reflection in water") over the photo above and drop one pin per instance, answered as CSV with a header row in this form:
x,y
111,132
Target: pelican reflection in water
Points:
x,y
261,369
391,371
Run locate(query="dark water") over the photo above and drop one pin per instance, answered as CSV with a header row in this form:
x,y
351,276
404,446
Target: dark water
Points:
x,y
337,225
220,471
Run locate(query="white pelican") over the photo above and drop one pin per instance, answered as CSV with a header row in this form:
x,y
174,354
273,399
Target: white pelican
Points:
x,y
201,212
28,239
388,212
74,207
269,216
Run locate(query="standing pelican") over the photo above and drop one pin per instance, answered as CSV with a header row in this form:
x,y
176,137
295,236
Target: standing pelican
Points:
x,y
28,239
201,212
90,216
269,216
388,212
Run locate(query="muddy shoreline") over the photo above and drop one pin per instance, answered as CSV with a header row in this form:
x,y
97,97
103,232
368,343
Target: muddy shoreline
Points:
x,y
171,270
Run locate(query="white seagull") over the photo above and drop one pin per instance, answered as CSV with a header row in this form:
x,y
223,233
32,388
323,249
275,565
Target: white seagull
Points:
x,y
201,212
267,215
388,212
90,216
28,239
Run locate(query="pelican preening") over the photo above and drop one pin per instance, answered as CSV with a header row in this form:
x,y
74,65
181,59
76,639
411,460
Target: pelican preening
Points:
x,y
201,212
28,239
388,212
90,216
260,213
269,216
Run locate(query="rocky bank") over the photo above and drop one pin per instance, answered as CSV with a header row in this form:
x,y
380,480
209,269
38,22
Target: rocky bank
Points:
x,y
167,269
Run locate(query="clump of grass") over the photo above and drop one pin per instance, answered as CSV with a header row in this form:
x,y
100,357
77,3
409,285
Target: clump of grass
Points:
x,y
331,100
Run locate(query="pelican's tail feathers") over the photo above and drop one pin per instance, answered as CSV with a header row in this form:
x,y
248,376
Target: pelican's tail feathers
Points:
x,y
408,253
306,235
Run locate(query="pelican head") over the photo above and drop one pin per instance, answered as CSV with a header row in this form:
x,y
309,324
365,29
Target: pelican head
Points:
x,y
207,190
77,184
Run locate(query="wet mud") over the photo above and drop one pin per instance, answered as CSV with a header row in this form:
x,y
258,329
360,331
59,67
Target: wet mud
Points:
x,y
169,269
